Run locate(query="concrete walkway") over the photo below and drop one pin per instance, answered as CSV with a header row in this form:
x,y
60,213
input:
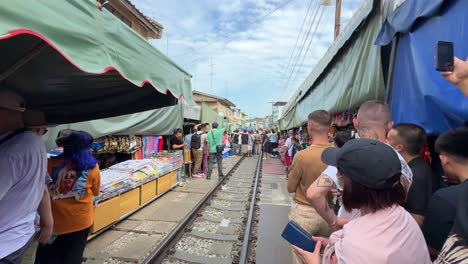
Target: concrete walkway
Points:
x,y
275,202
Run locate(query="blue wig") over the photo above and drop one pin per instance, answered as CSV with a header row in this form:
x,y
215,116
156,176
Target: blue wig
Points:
x,y
77,150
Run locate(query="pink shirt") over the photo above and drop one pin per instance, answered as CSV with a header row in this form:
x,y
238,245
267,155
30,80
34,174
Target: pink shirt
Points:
x,y
389,236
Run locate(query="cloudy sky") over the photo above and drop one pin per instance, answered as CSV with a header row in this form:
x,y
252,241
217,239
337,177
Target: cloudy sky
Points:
x,y
252,50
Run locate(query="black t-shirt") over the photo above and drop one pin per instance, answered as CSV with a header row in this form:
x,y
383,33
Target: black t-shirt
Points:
x,y
421,188
245,139
440,215
461,220
175,141
455,249
235,138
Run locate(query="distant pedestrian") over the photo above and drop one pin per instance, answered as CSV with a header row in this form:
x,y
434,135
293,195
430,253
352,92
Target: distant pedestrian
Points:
x,y
273,138
251,144
198,141
258,143
245,142
288,146
235,141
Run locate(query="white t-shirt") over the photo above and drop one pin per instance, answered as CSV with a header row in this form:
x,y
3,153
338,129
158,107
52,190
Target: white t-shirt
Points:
x,y
288,145
23,168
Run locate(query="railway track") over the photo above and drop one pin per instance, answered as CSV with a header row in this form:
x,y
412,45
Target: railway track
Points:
x,y
219,228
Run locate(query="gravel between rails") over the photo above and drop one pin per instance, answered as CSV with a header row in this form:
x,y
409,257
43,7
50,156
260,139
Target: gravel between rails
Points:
x,y
203,247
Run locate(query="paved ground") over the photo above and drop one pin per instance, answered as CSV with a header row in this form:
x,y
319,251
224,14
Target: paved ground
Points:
x,y
134,238
274,204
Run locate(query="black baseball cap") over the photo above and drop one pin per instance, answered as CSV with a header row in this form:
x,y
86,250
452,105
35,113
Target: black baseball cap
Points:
x,y
367,162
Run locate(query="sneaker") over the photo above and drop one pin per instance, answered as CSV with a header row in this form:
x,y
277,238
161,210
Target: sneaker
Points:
x,y
197,176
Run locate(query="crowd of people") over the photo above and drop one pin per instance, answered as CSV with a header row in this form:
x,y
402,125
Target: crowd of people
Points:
x,y
389,210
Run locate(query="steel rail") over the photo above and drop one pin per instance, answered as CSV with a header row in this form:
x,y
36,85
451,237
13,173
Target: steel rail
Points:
x,y
162,251
248,229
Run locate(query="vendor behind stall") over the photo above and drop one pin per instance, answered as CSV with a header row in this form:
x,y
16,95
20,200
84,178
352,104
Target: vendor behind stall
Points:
x,y
176,141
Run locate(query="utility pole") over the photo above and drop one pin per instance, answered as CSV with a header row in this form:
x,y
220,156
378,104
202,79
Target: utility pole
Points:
x,y
211,73
337,18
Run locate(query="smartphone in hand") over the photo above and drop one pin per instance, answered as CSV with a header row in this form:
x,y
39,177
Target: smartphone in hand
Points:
x,y
297,236
444,56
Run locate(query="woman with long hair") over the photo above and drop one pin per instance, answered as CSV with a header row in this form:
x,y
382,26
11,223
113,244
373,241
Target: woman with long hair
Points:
x,y
75,180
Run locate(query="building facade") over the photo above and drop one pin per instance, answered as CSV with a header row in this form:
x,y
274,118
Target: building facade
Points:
x,y
220,105
130,15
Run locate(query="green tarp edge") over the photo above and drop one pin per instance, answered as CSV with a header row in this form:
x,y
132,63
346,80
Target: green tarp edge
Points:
x,y
95,41
355,76
210,116
161,121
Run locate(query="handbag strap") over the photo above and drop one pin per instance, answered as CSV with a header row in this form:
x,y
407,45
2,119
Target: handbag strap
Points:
x,y
12,135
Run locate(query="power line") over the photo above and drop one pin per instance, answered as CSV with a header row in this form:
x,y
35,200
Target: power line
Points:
x,y
311,40
290,65
297,39
309,29
229,34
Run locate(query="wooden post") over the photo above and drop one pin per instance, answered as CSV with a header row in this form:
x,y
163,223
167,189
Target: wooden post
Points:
x,y
337,18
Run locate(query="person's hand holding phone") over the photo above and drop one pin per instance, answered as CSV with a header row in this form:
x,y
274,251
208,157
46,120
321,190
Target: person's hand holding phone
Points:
x,y
310,258
459,75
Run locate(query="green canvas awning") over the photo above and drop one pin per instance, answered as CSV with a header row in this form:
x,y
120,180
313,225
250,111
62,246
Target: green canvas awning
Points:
x,y
75,62
209,116
349,73
153,122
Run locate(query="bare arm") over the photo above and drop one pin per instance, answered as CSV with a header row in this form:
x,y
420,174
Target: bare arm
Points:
x,y
47,220
317,196
175,146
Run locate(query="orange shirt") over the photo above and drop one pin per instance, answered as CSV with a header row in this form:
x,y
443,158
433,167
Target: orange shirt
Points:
x,y
71,215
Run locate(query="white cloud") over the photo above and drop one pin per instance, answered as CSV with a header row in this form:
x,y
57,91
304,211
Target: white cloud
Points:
x,y
250,65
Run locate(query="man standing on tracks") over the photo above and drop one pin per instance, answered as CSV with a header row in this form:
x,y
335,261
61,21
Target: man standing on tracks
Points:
x,y
197,141
306,168
214,139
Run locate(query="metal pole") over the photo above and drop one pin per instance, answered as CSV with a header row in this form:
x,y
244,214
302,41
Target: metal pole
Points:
x,y
337,18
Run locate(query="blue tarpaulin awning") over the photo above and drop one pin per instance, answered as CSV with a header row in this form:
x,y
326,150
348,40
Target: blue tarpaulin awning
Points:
x,y
418,93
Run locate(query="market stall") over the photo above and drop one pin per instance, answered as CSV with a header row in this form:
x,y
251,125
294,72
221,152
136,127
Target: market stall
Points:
x,y
130,185
73,62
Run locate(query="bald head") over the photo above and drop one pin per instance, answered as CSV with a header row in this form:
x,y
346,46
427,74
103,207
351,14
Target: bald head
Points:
x,y
374,116
375,113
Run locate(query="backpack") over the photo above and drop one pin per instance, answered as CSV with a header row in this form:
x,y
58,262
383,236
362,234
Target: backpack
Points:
x,y
196,141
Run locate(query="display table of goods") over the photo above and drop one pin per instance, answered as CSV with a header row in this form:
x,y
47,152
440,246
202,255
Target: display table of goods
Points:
x,y
127,186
